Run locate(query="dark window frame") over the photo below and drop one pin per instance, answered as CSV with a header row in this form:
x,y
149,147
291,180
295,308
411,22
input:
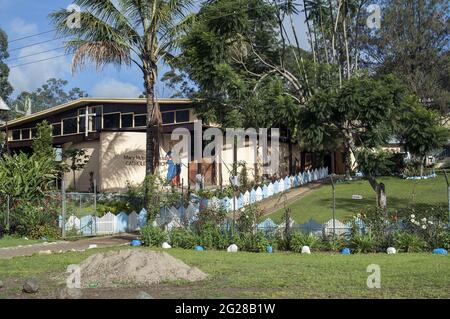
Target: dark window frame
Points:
x,y
128,115
63,130
140,115
60,129
13,138
119,114
168,113
29,134
188,116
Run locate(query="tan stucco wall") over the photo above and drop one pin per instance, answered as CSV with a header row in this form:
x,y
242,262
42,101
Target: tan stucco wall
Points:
x,y
122,160
82,177
119,157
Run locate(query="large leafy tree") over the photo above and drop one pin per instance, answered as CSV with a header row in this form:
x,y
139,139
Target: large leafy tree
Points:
x,y
421,131
126,32
413,43
216,67
50,94
235,57
365,113
5,87
213,53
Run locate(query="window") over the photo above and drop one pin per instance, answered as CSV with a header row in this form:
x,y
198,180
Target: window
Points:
x,y
127,120
82,124
111,120
168,117
70,126
97,119
16,135
26,134
182,116
33,132
56,129
140,120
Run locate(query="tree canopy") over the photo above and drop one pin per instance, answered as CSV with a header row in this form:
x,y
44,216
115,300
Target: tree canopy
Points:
x,y
50,94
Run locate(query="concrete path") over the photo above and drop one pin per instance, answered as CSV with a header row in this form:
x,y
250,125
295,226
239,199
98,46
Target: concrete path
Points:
x,y
274,203
62,246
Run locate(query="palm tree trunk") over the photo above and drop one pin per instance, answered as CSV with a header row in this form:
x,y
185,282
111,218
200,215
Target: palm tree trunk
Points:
x,y
152,131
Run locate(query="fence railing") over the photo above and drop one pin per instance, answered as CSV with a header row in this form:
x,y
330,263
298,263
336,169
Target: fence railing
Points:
x,y
180,216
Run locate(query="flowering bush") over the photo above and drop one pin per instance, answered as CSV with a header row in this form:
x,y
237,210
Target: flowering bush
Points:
x,y
424,226
248,218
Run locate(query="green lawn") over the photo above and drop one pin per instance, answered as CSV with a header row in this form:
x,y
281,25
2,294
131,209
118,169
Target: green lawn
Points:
x,y
9,241
400,193
251,275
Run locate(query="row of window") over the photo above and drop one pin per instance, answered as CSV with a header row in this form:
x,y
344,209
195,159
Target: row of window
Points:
x,y
77,124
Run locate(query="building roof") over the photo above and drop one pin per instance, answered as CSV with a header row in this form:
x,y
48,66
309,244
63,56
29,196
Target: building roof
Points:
x,y
88,100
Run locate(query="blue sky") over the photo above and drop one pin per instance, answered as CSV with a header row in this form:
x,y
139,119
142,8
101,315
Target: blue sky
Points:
x,y
21,18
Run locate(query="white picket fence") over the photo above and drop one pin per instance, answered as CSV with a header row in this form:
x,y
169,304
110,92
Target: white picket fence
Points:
x,y
313,227
177,216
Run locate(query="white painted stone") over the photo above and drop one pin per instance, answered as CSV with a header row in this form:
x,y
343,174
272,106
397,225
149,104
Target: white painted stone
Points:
x,y
306,250
166,245
92,246
391,251
45,252
232,248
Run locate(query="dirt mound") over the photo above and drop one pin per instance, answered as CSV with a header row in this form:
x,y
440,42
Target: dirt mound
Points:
x,y
135,266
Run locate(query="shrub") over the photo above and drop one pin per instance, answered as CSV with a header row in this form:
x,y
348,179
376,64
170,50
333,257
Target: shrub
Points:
x,y
299,239
28,216
443,239
26,177
363,243
209,217
114,206
408,242
328,243
49,231
283,242
214,238
253,242
248,218
152,236
182,238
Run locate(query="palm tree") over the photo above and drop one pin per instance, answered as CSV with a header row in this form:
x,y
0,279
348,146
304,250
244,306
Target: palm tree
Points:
x,y
123,32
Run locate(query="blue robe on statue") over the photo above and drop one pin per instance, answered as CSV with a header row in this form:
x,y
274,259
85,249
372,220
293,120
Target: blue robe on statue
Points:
x,y
171,170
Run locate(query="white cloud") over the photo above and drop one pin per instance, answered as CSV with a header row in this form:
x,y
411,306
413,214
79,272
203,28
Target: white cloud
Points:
x,y
20,27
114,88
31,76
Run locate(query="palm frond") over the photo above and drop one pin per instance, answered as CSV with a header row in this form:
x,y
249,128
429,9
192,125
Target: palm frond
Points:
x,y
99,53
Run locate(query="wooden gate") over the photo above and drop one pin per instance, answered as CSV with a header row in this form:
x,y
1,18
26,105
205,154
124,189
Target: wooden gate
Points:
x,y
208,170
